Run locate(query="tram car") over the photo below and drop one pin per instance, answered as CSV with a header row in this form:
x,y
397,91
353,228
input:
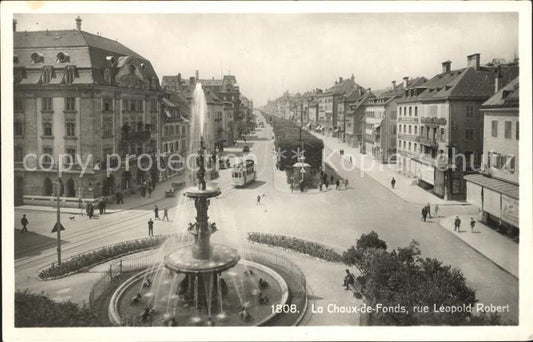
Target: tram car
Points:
x,y
243,173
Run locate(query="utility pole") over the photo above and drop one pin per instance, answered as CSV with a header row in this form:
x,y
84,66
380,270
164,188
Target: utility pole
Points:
x,y
58,224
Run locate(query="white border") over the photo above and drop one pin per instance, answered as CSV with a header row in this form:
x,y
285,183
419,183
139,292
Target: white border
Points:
x,y
522,332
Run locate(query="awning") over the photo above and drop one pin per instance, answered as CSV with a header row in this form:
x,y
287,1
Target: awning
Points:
x,y
376,126
336,130
167,112
506,188
168,103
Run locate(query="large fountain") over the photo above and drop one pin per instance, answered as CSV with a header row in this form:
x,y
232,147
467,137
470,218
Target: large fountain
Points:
x,y
200,282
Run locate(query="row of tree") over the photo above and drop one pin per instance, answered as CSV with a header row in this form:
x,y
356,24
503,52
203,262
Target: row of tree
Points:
x,y
290,138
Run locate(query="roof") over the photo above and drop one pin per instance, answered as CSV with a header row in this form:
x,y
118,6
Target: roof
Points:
x,y
506,188
85,50
508,96
388,94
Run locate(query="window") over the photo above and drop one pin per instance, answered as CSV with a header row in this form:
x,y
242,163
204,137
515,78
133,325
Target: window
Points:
x,y
19,154
125,104
132,105
140,105
107,127
517,130
18,128
153,105
393,129
469,134
71,159
19,104
409,146
70,74
508,128
409,129
416,130
510,163
409,111
71,129
37,57
107,104
494,128
46,75
47,128
47,104
70,103
416,111
47,155
469,111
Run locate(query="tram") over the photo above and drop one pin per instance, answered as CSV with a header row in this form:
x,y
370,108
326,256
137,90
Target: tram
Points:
x,y
243,173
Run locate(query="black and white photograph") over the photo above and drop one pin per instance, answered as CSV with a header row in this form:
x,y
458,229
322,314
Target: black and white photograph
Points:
x,y
266,171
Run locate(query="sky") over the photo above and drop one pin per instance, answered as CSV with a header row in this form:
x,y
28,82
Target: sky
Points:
x,y
273,53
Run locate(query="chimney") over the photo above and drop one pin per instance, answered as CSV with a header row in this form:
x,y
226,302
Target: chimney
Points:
x,y
78,23
446,66
405,81
14,25
352,78
393,85
340,79
497,78
472,61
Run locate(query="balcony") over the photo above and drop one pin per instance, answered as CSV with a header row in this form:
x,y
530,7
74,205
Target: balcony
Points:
x,y
431,142
407,120
408,137
433,121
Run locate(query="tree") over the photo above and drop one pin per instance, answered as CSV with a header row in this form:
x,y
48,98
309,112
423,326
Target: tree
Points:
x,y
401,280
38,310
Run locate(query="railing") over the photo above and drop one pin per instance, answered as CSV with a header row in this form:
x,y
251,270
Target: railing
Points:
x,y
433,121
407,120
428,141
408,137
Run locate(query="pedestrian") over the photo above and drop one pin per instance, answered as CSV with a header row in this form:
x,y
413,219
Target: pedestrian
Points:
x,y
457,224
424,213
351,160
165,214
331,179
346,183
101,207
82,208
301,186
436,210
337,184
117,196
472,224
104,204
150,227
24,222
326,183
258,200
292,187
143,190
393,182
156,213
429,210
321,184
91,211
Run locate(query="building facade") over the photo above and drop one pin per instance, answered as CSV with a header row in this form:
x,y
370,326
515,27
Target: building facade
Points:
x,y
444,142
496,190
88,97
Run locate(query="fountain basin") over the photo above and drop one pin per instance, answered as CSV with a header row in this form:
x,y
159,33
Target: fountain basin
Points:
x,y
242,290
222,258
209,192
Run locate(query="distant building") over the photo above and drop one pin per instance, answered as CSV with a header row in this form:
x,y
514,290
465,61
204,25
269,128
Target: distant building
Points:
x,y
351,123
496,190
173,137
84,95
440,125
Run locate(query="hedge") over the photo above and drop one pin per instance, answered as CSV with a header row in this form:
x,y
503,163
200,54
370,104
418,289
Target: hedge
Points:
x,y
38,310
287,140
310,248
84,261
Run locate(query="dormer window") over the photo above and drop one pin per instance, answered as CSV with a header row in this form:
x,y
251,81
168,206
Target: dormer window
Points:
x,y
70,74
46,75
37,57
131,68
63,57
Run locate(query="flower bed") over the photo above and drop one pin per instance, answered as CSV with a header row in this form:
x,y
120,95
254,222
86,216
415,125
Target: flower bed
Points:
x,y
87,260
310,248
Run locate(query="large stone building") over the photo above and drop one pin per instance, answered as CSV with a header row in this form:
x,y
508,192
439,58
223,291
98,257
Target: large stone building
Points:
x,y
84,95
379,135
440,125
496,190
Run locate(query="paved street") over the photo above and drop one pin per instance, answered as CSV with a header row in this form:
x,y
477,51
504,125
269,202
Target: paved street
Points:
x,y
336,218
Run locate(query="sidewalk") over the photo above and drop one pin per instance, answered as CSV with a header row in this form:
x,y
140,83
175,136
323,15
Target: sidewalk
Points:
x,y
501,250
130,201
406,188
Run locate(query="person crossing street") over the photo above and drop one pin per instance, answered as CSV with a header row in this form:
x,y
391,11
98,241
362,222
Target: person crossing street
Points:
x,y
150,227
24,222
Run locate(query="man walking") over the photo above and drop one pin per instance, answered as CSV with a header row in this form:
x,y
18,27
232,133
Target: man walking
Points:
x,y
258,200
24,222
101,207
457,224
436,210
424,213
337,184
393,182
150,227
165,214
429,210
156,213
472,224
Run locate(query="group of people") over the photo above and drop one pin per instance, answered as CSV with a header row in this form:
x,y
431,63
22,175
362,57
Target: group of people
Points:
x,y
426,211
457,224
326,180
147,186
